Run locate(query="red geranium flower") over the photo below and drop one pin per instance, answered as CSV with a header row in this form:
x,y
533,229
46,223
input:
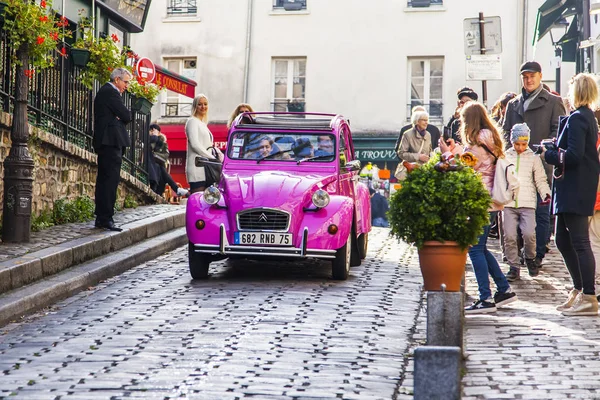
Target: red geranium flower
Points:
x,y
29,73
63,51
44,18
40,40
43,4
54,36
114,38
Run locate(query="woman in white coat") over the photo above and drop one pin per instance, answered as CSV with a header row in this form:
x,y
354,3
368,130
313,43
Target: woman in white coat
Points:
x,y
199,140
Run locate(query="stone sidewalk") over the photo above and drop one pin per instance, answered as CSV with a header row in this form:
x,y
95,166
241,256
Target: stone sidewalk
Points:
x,y
528,350
58,234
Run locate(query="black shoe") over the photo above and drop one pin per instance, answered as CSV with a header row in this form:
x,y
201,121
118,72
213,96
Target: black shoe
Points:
x,y
480,307
538,262
532,268
108,225
502,299
513,274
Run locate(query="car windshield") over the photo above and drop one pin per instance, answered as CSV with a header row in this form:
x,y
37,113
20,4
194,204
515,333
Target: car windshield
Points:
x,y
282,146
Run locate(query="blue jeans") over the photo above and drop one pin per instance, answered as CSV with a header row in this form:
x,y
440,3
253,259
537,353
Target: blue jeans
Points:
x,y
485,263
542,228
381,222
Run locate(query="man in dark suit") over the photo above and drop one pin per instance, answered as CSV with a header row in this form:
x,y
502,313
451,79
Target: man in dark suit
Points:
x,y
110,140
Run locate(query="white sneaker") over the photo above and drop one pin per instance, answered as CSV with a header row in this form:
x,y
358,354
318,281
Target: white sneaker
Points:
x,y
182,192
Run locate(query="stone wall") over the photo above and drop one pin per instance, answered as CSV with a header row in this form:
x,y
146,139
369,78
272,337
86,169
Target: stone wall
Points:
x,y
64,171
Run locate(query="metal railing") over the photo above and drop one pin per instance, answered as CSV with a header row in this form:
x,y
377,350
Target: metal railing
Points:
x,y
175,109
288,106
60,104
435,110
290,5
424,3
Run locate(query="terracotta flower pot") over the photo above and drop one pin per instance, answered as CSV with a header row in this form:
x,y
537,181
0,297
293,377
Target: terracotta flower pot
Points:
x,y
442,263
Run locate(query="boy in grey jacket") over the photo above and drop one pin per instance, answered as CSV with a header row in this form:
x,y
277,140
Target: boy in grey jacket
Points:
x,y
520,213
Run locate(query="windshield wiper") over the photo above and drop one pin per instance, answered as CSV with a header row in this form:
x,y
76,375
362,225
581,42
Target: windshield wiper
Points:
x,y
315,158
272,155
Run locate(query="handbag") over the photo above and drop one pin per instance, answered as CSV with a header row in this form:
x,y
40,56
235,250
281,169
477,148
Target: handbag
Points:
x,y
401,171
212,167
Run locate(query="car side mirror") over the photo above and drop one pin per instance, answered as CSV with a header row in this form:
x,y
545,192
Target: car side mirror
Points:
x,y
353,165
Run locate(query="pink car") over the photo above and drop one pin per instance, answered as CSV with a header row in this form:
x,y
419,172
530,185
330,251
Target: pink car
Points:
x,y
289,189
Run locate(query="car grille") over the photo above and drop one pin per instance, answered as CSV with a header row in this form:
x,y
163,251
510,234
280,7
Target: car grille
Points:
x,y
261,219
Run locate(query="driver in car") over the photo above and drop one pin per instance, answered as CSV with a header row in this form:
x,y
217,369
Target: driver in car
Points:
x,y
325,146
303,148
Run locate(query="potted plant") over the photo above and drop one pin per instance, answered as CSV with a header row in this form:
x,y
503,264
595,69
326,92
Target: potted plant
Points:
x,y
144,94
441,209
296,105
100,55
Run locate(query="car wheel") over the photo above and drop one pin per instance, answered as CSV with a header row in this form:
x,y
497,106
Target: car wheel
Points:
x,y
341,265
363,243
355,259
199,263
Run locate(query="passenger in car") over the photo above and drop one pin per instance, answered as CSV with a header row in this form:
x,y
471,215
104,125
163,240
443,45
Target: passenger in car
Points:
x,y
303,148
241,108
325,146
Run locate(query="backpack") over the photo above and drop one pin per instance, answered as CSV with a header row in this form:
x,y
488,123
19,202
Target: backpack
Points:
x,y
506,181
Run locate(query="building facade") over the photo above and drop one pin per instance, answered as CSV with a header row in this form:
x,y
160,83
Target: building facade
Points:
x,y
370,61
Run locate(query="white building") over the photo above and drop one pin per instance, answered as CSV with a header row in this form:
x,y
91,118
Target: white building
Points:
x,y
368,60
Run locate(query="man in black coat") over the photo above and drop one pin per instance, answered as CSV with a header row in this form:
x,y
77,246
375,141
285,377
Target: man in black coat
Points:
x,y
110,140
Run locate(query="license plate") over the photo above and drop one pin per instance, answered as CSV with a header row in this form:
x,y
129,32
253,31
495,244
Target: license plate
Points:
x,y
254,238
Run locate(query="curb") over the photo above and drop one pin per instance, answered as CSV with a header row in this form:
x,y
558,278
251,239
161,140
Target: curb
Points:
x,y
32,267
44,293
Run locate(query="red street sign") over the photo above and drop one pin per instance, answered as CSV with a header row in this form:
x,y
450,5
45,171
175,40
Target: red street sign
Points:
x,y
145,69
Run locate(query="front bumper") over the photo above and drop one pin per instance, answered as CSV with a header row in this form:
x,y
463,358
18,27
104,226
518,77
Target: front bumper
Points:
x,y
226,249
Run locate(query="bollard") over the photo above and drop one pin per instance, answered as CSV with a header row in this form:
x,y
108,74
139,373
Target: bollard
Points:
x,y
445,318
437,373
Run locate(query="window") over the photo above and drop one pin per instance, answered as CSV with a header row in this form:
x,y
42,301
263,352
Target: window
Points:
x,y
424,3
181,8
178,105
289,84
290,5
425,85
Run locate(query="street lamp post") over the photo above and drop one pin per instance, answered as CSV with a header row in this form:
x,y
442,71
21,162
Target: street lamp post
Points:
x,y
560,29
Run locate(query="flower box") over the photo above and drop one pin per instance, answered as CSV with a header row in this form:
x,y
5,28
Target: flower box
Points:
x,y
295,107
80,57
141,105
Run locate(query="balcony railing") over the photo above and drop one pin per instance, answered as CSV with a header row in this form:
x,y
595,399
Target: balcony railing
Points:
x,y
424,3
175,110
60,104
287,105
435,110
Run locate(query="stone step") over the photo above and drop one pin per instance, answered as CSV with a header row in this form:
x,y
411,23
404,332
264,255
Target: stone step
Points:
x,y
32,267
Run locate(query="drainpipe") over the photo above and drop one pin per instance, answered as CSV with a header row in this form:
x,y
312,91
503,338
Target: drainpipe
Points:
x,y
247,58
524,44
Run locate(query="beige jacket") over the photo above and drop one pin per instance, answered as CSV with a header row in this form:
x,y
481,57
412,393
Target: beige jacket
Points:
x,y
532,178
411,143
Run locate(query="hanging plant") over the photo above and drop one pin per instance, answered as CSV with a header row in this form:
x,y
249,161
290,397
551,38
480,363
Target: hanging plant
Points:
x,y
105,54
37,28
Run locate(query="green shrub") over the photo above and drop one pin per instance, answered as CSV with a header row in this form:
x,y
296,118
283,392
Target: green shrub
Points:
x,y
440,206
80,209
130,202
42,221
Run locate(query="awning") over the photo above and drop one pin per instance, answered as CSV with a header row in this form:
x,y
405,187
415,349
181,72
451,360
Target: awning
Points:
x,y
374,148
569,42
549,13
175,82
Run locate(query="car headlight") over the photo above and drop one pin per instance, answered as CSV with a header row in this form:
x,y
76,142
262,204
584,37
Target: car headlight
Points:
x,y
320,198
212,195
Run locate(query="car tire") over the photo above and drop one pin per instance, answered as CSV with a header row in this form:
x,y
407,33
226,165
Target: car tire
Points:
x,y
363,244
355,259
340,266
199,263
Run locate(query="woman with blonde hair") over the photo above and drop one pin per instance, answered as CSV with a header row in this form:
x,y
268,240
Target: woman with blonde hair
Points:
x,y
241,108
199,142
576,170
481,137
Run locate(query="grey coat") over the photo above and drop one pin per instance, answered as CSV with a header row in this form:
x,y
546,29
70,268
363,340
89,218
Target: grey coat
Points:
x,y
541,117
411,143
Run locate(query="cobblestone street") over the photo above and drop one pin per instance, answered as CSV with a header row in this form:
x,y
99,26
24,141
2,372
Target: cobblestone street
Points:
x,y
253,330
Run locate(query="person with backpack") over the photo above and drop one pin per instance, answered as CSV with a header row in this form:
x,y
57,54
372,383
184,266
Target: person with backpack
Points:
x,y
576,170
481,137
520,213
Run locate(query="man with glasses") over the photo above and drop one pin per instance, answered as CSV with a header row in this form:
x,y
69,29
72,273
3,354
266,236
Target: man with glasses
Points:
x,y
110,140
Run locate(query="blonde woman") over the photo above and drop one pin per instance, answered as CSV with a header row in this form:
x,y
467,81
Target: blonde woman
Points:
x,y
199,141
481,136
574,194
241,108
